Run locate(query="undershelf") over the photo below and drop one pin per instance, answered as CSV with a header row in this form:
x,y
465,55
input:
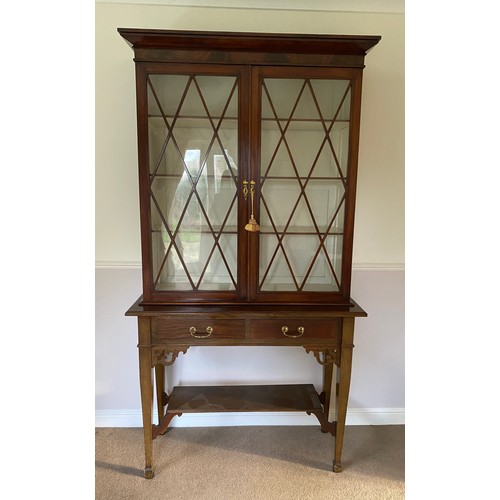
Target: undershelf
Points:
x,y
244,398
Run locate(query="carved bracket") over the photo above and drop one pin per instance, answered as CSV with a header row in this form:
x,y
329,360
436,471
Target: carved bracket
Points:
x,y
329,355
326,426
165,398
159,430
166,355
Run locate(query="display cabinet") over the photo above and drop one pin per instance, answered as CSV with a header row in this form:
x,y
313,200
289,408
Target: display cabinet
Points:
x,y
248,147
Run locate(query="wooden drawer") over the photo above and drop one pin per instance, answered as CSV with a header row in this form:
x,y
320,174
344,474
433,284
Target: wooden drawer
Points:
x,y
294,329
192,329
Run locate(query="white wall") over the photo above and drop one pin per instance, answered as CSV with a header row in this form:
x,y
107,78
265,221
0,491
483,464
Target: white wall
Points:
x,y
377,393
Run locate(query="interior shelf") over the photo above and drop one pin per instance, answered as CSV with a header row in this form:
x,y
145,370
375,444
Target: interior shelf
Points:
x,y
292,230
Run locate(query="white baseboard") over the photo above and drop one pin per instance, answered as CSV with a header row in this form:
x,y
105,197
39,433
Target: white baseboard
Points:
x,y
375,416
355,416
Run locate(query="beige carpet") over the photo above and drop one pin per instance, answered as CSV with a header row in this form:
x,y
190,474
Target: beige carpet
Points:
x,y
258,463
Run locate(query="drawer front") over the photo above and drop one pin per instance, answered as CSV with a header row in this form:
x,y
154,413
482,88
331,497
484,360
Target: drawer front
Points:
x,y
294,329
192,329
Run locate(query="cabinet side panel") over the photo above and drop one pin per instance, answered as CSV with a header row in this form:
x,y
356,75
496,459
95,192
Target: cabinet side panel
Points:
x,y
356,86
143,152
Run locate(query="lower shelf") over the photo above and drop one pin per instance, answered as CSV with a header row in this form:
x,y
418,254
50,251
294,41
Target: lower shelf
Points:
x,y
244,398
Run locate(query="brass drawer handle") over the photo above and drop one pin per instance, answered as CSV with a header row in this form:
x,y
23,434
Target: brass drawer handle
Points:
x,y
209,330
300,332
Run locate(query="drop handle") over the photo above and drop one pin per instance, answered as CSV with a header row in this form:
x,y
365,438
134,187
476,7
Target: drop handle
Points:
x,y
300,331
209,330
252,226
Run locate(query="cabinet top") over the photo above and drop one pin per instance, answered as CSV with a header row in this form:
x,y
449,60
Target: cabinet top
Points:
x,y
249,311
249,42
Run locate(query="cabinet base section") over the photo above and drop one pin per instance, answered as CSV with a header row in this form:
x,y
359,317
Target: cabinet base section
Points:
x,y
244,398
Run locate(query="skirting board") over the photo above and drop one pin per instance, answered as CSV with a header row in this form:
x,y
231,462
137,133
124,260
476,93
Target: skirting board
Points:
x,y
355,416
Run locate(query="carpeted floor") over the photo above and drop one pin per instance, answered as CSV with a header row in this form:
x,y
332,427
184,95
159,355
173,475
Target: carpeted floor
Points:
x,y
258,463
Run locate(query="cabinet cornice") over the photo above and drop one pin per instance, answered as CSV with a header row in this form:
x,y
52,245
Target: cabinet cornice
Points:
x,y
249,42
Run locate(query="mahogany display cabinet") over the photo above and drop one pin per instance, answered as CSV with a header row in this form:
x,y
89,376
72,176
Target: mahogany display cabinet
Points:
x,y
248,148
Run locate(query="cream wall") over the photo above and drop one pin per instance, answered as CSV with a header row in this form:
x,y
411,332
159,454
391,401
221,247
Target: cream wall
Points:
x,y
377,392
379,230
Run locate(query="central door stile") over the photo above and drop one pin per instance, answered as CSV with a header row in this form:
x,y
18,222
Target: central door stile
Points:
x,y
245,151
253,238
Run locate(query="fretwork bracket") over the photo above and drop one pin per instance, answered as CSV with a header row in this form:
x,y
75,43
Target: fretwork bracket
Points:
x,y
324,356
166,355
326,426
159,430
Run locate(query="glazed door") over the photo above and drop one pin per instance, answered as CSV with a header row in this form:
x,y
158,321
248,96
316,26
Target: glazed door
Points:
x,y
304,168
191,175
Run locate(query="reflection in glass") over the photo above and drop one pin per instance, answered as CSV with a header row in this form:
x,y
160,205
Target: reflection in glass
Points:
x,y
193,146
304,146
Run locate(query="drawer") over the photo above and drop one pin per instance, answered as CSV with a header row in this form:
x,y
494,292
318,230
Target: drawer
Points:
x,y
294,329
191,329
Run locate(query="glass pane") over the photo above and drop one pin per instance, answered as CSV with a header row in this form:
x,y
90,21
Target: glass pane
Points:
x,y
275,273
304,160
193,153
326,271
